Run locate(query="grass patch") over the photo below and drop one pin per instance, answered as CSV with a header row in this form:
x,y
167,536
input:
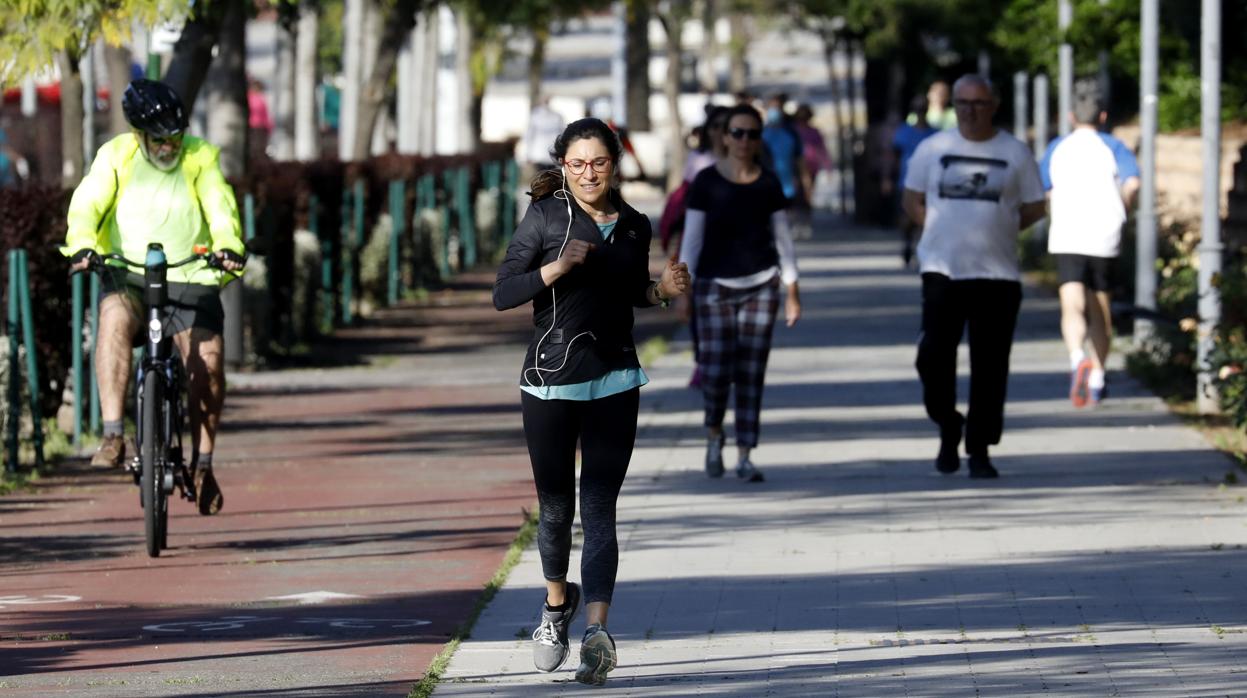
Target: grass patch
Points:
x,y
523,538
651,349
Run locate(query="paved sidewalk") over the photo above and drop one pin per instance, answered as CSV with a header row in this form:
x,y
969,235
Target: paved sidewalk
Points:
x,y
1105,561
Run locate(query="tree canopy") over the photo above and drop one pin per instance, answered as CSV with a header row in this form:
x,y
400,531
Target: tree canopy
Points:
x,y
32,32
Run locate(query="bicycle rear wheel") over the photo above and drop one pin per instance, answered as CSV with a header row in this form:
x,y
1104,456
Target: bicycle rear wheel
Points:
x,y
151,455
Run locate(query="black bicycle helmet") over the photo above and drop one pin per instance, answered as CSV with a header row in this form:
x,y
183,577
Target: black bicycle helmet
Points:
x,y
154,108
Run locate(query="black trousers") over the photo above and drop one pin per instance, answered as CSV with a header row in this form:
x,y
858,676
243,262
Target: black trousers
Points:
x,y
606,430
989,308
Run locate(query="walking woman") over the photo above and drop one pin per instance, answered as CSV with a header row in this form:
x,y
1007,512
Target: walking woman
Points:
x,y
581,255
738,247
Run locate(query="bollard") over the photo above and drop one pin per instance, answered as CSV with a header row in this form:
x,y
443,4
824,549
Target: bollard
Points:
x,y
467,229
95,325
447,204
14,396
75,351
398,193
509,183
32,355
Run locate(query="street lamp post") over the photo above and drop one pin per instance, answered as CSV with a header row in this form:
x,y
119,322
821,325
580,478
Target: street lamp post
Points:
x,y
1210,246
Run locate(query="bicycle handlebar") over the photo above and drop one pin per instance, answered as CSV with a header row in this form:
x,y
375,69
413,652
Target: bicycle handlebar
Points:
x,y
209,258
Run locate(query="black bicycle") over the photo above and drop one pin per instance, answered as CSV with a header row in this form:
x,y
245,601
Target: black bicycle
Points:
x,y
159,468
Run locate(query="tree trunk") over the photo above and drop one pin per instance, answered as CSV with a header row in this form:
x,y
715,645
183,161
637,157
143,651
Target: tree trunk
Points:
x,y
397,23
282,141
72,160
192,54
677,151
427,137
843,152
738,47
537,64
469,108
306,141
117,62
638,54
226,98
706,73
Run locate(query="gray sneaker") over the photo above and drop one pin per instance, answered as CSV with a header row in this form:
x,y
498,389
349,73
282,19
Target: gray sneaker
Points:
x,y
747,471
597,656
550,648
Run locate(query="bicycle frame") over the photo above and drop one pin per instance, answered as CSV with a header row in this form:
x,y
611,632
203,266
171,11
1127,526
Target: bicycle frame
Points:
x,y
158,356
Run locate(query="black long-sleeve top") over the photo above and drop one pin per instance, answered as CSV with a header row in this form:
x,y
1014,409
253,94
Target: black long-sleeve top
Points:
x,y
596,297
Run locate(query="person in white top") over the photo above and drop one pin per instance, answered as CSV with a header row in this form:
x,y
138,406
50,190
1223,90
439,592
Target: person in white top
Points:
x,y
1091,179
971,189
544,125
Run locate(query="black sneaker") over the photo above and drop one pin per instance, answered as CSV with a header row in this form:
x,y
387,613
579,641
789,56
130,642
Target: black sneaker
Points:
x,y
948,460
714,455
550,648
981,466
597,656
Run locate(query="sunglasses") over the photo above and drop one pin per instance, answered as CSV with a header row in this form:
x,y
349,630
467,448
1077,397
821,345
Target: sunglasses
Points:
x,y
157,141
741,134
599,165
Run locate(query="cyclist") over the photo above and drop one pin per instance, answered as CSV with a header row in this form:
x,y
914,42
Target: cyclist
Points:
x,y
157,184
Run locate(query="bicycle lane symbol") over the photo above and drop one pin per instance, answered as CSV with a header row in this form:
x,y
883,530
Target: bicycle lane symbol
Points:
x,y
23,600
226,623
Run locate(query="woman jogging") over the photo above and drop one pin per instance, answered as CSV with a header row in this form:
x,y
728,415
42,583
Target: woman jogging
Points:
x,y
581,255
738,246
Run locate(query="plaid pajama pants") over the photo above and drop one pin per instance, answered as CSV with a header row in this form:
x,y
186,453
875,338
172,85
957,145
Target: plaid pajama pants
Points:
x,y
734,329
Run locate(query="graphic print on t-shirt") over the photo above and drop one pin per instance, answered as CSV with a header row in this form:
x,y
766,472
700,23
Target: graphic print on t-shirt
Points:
x,y
965,177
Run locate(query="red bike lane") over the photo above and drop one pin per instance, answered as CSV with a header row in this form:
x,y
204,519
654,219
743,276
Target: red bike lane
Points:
x,y
365,510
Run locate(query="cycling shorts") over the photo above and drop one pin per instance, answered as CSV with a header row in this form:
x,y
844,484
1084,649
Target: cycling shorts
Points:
x,y
190,305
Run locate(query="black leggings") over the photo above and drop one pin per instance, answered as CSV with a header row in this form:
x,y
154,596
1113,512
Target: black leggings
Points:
x,y
606,430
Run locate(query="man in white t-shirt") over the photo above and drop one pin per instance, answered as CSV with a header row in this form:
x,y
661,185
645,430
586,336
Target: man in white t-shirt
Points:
x,y
1091,179
971,189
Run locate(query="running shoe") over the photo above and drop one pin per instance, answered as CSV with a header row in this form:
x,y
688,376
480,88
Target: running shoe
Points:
x,y
208,495
747,471
1095,395
1078,391
597,656
981,467
550,646
111,453
714,455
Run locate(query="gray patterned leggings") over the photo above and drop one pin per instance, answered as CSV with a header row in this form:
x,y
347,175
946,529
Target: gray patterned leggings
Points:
x,y
606,430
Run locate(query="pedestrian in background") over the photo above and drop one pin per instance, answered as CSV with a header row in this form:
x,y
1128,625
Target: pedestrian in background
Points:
x,y
544,125
785,155
738,247
581,256
940,115
904,142
1091,179
815,159
972,189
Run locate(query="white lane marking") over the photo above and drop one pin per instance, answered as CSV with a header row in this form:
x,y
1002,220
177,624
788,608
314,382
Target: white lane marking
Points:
x,y
314,597
238,622
23,600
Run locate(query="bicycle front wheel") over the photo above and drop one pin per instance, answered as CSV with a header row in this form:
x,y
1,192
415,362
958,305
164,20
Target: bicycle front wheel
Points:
x,y
151,456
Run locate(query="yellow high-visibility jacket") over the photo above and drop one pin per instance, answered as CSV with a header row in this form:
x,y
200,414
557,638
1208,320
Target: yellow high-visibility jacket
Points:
x,y
124,203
